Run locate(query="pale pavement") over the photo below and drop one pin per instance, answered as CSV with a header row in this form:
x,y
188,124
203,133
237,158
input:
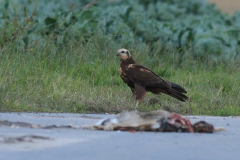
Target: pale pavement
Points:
x,y
80,144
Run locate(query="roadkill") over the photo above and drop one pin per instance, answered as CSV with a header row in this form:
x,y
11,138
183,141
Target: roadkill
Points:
x,y
157,121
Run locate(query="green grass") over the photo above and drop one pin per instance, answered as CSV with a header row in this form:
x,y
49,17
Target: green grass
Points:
x,y
82,77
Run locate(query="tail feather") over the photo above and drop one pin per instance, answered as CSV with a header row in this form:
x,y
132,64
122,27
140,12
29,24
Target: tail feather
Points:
x,y
178,88
178,95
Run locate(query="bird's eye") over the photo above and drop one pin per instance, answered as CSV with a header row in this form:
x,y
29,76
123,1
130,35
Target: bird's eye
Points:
x,y
122,51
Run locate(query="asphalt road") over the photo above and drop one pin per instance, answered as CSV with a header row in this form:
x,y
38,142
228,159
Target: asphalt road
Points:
x,y
23,143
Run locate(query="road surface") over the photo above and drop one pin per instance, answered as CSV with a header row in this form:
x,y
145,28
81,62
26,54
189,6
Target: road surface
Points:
x,y
24,143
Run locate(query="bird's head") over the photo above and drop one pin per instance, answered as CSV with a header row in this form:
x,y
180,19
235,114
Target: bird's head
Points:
x,y
123,54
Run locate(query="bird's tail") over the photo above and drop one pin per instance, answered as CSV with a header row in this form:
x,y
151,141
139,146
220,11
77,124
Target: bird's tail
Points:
x,y
178,95
178,88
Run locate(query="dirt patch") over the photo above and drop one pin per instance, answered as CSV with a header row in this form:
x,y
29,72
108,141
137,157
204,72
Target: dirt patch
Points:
x,y
229,6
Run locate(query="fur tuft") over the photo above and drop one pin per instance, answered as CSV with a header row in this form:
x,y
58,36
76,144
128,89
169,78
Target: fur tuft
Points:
x,y
219,129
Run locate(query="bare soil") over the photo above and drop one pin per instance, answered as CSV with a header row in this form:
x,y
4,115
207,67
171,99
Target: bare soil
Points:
x,y
229,6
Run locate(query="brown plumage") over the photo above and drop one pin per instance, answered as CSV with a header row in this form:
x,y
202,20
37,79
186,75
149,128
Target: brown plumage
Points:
x,y
141,79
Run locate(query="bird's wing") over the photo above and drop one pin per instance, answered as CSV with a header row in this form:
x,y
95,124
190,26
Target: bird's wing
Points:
x,y
138,92
127,80
145,77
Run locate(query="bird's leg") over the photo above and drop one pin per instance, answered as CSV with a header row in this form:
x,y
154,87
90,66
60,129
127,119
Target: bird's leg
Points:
x,y
137,103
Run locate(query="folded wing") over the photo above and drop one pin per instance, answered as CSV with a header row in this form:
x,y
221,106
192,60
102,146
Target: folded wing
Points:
x,y
146,78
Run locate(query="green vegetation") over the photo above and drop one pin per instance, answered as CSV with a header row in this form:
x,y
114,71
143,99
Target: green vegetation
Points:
x,y
62,57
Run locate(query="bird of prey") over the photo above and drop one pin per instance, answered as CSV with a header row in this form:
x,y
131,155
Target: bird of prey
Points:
x,y
141,79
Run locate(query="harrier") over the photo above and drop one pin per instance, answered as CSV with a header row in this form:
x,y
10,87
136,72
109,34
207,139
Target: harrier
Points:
x,y
141,79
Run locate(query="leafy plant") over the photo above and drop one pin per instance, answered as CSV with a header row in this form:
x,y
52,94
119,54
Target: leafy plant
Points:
x,y
14,27
188,24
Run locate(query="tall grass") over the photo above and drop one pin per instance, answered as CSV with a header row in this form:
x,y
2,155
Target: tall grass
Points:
x,y
82,77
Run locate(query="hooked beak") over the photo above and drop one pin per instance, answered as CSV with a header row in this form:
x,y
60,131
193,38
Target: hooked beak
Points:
x,y
119,54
